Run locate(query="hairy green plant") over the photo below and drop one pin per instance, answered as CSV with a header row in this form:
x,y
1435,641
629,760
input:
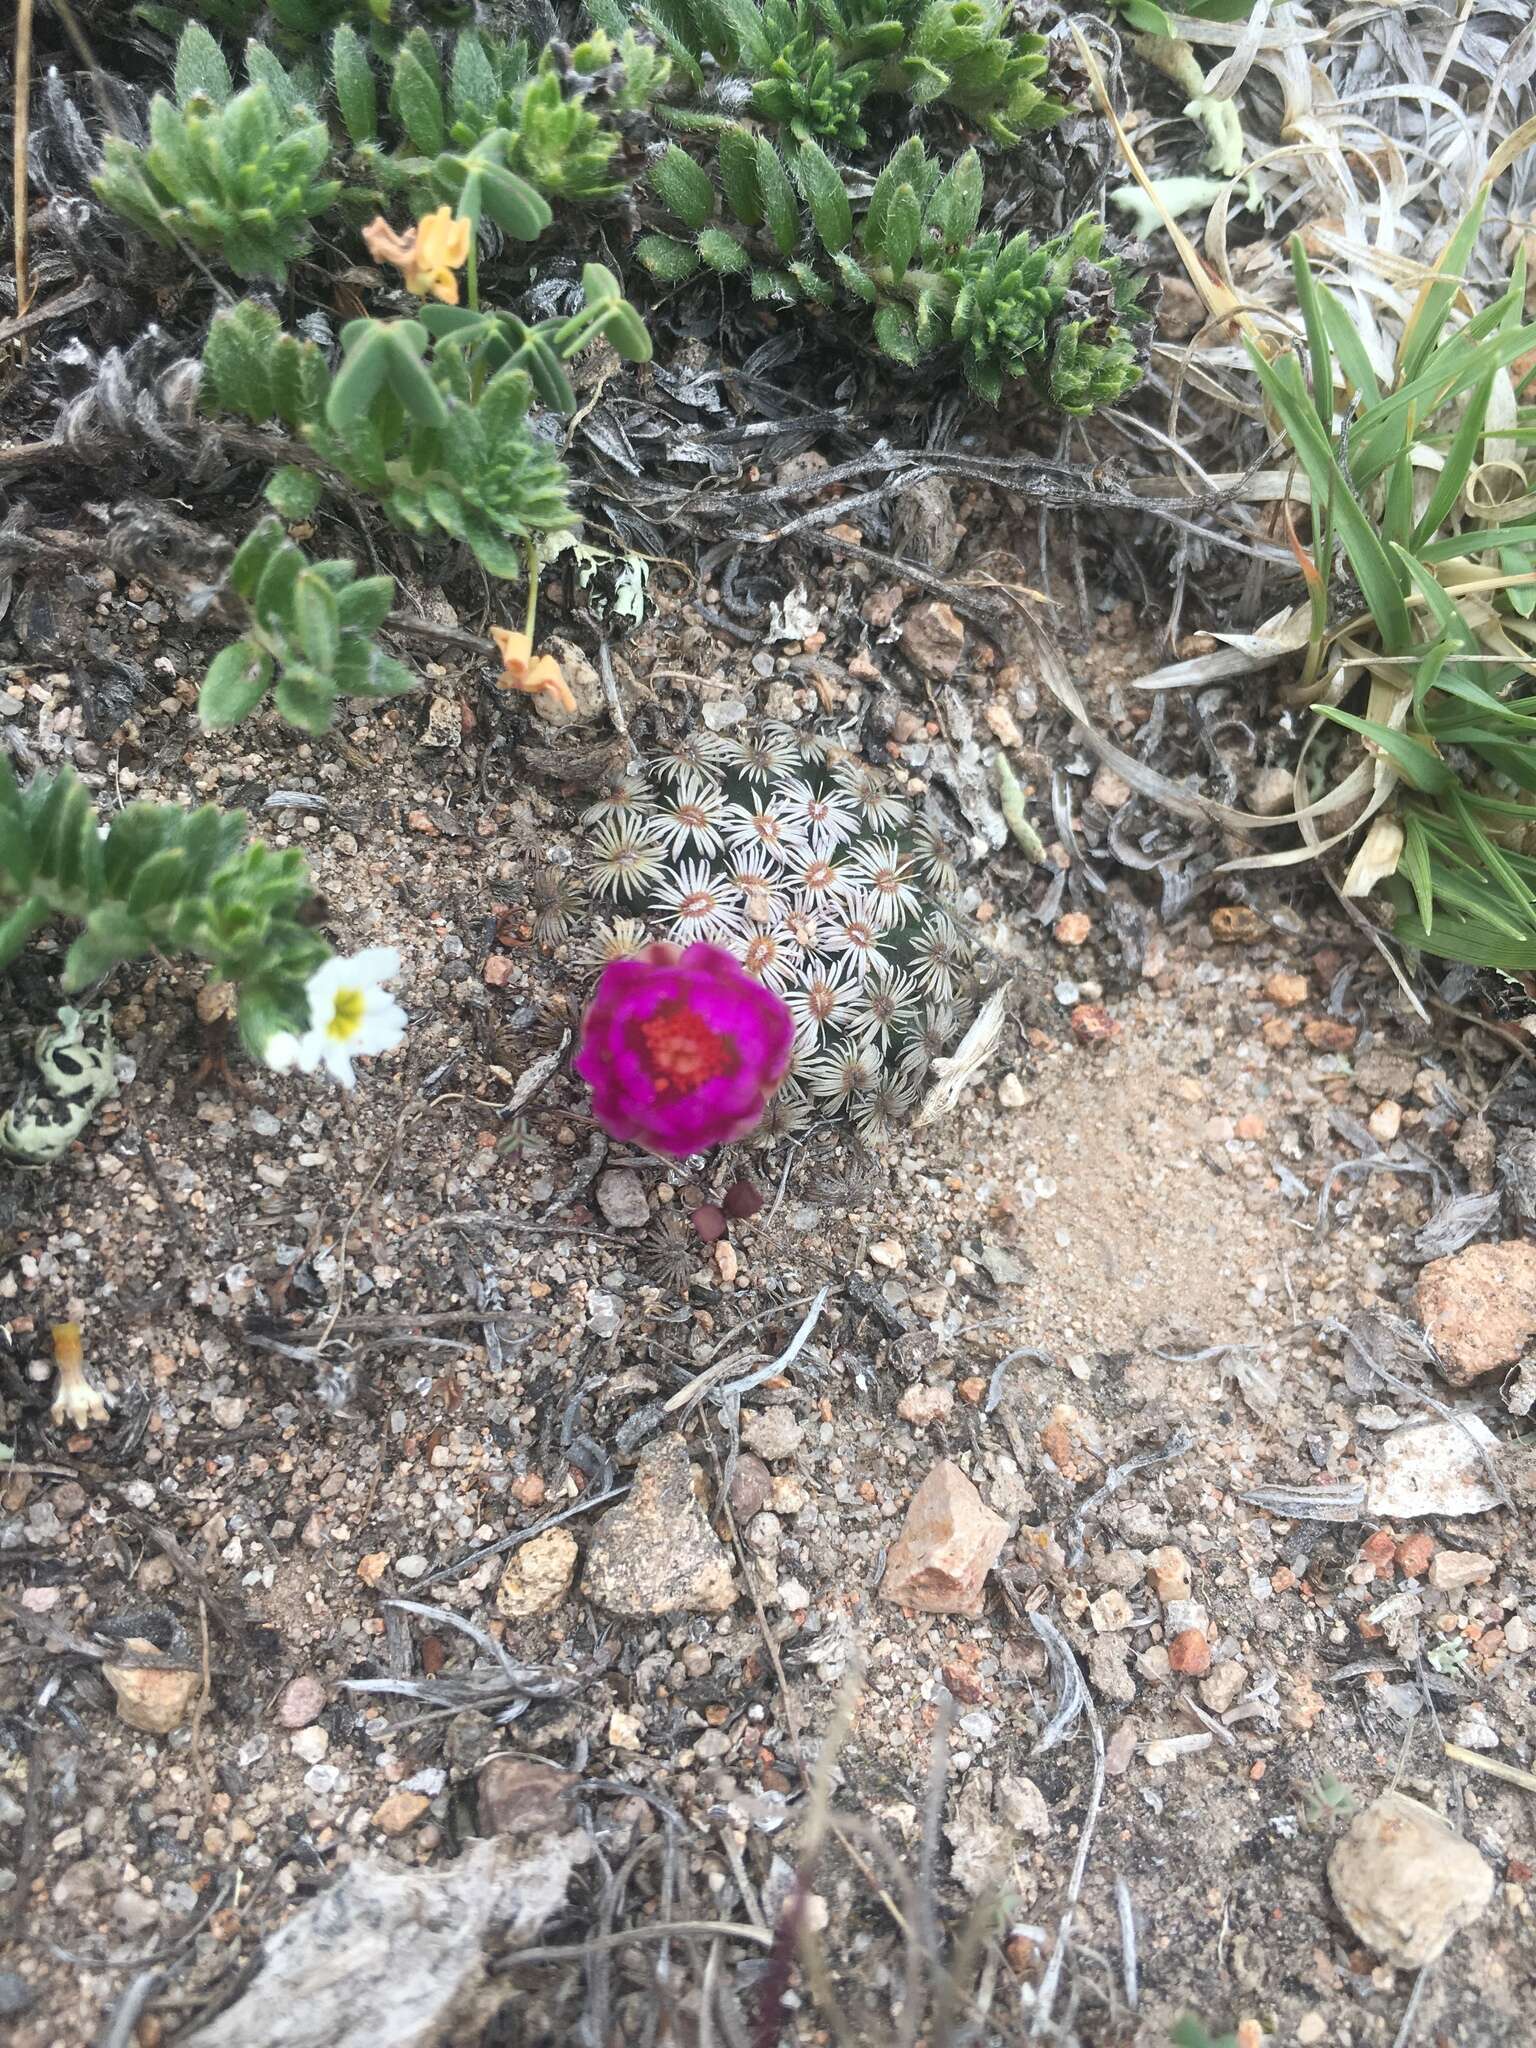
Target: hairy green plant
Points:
x,y
1421,579
1192,2033
303,19
1323,1800
546,131
157,878
309,625
1148,19
429,416
237,177
1061,312
811,66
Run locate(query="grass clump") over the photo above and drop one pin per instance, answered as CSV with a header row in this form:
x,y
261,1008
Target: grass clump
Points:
x,y
1421,578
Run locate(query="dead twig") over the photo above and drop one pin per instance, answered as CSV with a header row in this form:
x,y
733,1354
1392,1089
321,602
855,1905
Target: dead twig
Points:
x,y
622,1937
229,1618
59,308
22,103
199,1708
1073,1700
125,2015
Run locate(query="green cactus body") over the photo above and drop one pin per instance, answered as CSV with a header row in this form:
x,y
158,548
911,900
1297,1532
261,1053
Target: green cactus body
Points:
x,y
799,859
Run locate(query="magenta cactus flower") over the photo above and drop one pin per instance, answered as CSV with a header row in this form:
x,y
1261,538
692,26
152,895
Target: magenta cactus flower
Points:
x,y
682,1049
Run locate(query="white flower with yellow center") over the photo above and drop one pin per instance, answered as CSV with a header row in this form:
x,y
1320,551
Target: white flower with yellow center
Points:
x,y
350,1017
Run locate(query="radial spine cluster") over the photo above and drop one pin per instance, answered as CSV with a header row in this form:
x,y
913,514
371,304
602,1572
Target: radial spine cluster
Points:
x,y
798,858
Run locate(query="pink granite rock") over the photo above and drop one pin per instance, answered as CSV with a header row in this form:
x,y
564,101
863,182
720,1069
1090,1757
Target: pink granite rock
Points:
x,y
948,1543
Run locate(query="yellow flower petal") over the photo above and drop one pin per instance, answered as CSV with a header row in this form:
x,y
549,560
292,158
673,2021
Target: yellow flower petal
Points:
x,y
427,256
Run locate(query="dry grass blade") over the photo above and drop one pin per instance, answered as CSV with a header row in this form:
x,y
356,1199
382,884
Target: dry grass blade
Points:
x,y
20,123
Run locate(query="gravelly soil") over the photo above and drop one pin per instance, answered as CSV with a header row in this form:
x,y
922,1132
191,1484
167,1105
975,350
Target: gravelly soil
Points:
x,y
1060,1263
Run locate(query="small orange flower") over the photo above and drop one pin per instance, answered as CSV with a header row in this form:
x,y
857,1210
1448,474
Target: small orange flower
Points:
x,y
427,256
533,675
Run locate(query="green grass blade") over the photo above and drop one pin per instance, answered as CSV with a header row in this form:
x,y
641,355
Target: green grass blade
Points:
x,y
1458,464
1286,390
1443,608
1492,855
1465,939
1414,863
1350,349
1380,438
1460,547
1397,508
1309,296
1413,760
1428,318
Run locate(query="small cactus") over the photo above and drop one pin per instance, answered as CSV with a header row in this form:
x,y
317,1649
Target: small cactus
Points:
x,y
798,858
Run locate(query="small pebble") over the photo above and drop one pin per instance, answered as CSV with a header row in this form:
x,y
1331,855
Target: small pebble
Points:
x,y
401,1810
301,1701
1189,1654
1385,1121
1168,1573
621,1198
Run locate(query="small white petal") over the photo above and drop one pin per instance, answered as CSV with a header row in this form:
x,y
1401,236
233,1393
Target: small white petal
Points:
x,y
281,1052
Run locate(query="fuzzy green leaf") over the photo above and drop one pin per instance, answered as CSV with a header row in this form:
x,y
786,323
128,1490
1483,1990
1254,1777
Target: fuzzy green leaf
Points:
x,y
474,91
722,252
667,259
235,684
781,209
352,78
251,558
416,101
739,175
317,620
821,187
304,700
111,934
293,493
236,356
201,70
363,606
682,187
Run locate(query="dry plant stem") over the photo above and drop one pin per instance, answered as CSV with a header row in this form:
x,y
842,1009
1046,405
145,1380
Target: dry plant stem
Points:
x,y
122,2027
704,1930
1510,1773
1405,2032
23,102
199,1708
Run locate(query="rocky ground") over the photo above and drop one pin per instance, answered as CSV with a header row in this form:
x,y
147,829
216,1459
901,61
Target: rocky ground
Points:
x,y
1057,1478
